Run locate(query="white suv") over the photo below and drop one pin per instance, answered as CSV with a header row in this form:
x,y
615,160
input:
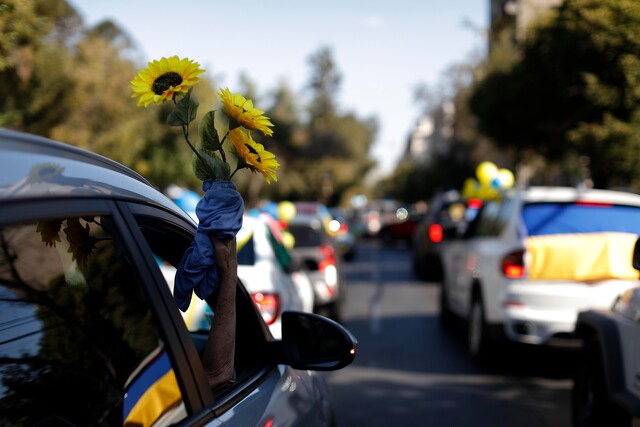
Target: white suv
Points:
x,y
530,262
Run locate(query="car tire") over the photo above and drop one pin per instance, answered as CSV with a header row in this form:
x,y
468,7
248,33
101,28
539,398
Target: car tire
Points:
x,y
590,403
479,343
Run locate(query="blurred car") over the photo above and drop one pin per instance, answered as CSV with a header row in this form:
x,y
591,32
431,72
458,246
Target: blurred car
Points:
x,y
605,387
446,218
265,267
531,261
87,316
401,227
345,236
316,252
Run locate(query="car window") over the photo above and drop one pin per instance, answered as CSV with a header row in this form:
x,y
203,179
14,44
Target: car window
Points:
x,y
246,251
168,244
560,218
79,345
306,236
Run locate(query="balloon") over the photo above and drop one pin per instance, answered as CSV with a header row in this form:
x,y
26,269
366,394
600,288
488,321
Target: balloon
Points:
x,y
469,188
506,178
486,172
288,240
486,192
286,211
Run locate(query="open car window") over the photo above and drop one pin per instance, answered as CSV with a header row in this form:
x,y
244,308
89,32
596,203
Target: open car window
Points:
x,y
168,243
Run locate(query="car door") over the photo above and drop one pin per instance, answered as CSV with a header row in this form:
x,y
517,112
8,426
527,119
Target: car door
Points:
x,y
262,392
82,342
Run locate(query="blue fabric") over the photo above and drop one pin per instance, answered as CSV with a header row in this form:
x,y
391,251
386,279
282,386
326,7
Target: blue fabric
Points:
x,y
561,218
219,214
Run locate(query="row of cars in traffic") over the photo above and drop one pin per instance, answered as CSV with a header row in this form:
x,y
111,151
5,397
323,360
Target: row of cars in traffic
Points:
x,y
547,266
90,333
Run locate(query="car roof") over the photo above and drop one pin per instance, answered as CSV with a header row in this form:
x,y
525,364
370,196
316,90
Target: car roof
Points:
x,y
568,194
34,167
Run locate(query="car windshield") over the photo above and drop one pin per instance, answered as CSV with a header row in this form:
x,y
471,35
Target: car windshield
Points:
x,y
561,218
305,236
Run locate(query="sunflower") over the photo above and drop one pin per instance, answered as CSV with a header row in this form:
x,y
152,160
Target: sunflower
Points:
x,y
254,155
162,79
241,110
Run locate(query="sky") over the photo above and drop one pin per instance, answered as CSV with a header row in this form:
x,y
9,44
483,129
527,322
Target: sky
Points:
x,y
382,49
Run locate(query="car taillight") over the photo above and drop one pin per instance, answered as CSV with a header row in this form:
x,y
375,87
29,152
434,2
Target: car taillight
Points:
x,y
435,233
328,257
268,305
513,264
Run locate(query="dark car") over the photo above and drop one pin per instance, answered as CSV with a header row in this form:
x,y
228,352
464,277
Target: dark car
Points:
x,y
605,386
90,332
446,218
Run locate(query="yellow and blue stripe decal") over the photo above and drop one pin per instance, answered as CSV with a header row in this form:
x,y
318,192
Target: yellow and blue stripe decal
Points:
x,y
152,393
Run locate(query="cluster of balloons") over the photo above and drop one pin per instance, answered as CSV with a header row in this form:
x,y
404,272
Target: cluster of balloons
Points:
x,y
490,181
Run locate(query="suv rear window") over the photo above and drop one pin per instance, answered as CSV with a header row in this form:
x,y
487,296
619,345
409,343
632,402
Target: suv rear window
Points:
x,y
562,218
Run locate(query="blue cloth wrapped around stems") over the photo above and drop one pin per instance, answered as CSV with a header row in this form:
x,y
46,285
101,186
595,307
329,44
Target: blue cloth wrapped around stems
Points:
x,y
219,214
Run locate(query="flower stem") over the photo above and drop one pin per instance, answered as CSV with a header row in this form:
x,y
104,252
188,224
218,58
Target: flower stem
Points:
x,y
224,157
234,172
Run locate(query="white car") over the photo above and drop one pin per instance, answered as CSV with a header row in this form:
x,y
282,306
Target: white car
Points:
x,y
265,267
530,262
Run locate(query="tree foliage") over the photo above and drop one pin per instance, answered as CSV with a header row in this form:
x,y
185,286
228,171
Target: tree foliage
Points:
x,y
575,91
68,82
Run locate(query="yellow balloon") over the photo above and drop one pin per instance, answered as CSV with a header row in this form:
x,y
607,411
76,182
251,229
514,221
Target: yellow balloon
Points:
x,y
286,211
469,188
288,240
486,172
506,178
487,192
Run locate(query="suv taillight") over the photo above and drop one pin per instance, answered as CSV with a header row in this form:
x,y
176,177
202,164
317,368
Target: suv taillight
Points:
x,y
328,257
513,264
435,233
268,305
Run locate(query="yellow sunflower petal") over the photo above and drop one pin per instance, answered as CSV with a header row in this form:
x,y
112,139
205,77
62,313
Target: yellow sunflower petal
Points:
x,y
243,112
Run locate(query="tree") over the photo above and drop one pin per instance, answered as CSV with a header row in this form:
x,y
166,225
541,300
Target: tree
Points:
x,y
575,92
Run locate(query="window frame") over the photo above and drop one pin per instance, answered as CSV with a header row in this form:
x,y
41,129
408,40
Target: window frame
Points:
x,y
195,397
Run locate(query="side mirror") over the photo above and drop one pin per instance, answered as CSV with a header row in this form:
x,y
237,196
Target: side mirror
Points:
x,y
313,342
636,255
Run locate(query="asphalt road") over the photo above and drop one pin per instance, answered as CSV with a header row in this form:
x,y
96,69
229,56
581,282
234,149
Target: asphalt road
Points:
x,y
409,371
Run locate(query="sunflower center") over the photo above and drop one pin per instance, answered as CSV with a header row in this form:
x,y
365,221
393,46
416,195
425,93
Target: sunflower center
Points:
x,y
165,81
253,151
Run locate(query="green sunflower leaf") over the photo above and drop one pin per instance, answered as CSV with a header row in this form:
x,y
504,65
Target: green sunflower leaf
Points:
x,y
210,168
185,110
208,133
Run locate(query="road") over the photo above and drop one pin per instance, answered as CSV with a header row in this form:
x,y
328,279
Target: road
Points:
x,y
409,371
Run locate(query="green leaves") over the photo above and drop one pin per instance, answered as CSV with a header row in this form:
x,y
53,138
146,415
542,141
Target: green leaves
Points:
x,y
208,167
208,134
185,110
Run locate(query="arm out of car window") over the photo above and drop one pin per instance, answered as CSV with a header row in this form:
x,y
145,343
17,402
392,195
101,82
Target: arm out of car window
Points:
x,y
219,352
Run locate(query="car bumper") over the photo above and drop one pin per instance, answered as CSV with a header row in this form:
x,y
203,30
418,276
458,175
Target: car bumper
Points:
x,y
546,312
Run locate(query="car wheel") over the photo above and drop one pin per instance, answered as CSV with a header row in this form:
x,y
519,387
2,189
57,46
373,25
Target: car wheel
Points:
x,y
590,402
478,339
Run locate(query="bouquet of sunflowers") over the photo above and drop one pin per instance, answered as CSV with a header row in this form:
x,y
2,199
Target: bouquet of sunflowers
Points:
x,y
172,79
221,208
